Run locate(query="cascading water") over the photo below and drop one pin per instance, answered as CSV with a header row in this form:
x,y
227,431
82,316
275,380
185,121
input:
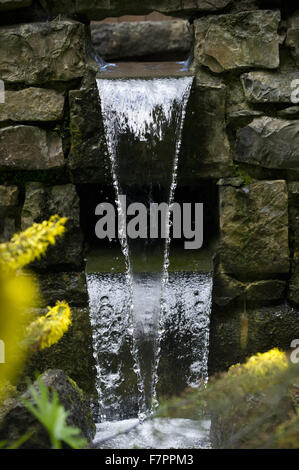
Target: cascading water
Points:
x,y
138,316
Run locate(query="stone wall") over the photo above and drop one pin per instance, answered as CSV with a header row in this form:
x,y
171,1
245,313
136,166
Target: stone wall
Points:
x,y
241,132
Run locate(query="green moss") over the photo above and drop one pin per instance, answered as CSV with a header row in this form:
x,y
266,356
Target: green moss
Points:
x,y
62,129
241,173
76,135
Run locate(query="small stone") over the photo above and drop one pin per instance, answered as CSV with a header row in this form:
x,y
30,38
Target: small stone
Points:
x,y
242,117
268,87
6,5
30,148
254,230
32,104
9,196
236,182
291,112
8,229
270,143
34,206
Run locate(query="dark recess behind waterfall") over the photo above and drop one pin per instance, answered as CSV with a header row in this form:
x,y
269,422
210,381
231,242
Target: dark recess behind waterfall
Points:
x,y
91,195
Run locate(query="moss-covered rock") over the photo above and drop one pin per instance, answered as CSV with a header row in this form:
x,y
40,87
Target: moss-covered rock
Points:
x,y
17,420
73,353
9,196
292,39
241,333
254,230
70,287
9,199
88,160
205,151
230,293
40,203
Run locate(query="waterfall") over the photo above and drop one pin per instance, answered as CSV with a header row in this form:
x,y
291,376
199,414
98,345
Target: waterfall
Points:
x,y
133,314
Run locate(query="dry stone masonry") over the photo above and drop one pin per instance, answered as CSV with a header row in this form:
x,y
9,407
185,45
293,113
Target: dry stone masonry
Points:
x,y
241,134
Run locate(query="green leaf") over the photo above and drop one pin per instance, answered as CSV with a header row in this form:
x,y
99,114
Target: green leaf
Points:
x,y
53,417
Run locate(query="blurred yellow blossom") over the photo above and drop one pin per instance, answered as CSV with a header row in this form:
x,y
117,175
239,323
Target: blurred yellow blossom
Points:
x,y
48,329
19,292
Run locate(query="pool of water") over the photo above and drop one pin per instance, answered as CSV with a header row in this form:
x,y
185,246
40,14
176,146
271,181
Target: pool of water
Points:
x,y
111,260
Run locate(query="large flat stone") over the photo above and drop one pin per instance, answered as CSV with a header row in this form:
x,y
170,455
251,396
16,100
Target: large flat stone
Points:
x,y
293,291
34,205
38,53
32,104
236,41
30,148
88,160
141,39
9,196
205,151
240,334
6,5
18,420
40,203
254,230
229,293
270,143
9,199
268,87
99,9
292,40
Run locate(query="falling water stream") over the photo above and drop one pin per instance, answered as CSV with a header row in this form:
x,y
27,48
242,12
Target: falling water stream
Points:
x,y
150,328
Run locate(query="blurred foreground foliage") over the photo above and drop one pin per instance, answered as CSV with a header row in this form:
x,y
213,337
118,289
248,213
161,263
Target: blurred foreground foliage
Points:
x,y
53,416
253,405
19,293
21,334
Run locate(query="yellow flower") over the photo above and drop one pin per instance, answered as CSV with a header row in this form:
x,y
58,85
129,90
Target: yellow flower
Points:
x,y
19,292
49,329
27,246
